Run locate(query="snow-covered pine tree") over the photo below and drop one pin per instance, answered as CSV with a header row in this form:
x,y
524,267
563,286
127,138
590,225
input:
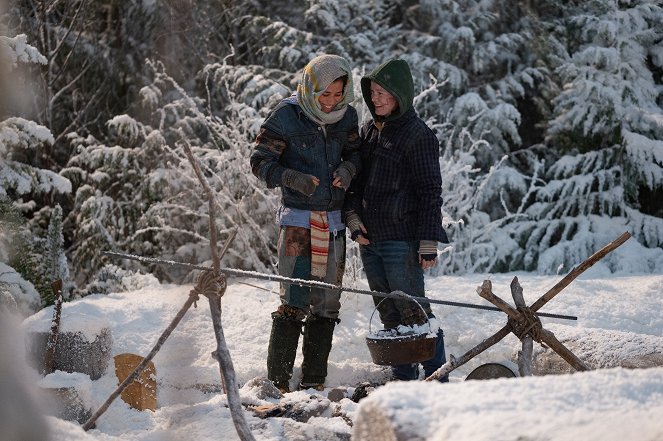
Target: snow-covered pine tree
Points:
x,y
23,185
508,91
21,140
54,263
140,195
606,130
19,280
487,50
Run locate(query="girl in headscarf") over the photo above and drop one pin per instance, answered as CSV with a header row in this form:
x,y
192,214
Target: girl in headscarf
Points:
x,y
309,147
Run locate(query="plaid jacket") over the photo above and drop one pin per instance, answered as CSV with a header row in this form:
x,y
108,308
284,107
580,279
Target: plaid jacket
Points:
x,y
397,194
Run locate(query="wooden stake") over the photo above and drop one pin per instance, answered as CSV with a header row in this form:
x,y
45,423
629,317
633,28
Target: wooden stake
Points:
x,y
521,316
222,354
485,292
525,355
49,361
575,272
454,363
549,338
143,364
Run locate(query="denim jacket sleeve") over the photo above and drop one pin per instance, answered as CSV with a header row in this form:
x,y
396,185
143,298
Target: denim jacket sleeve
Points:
x,y
270,144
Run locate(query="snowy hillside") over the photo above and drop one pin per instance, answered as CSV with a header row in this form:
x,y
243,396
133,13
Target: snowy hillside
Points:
x,y
188,378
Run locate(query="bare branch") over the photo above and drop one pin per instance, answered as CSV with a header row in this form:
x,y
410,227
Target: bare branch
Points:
x,y
69,29
575,272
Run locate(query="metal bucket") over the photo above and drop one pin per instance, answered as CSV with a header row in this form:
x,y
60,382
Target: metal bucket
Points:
x,y
402,349
489,371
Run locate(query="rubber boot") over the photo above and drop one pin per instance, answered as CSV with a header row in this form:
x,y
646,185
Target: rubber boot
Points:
x,y
438,360
318,335
282,350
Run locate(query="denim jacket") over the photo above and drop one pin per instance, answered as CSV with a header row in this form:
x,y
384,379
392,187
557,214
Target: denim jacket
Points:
x,y
289,139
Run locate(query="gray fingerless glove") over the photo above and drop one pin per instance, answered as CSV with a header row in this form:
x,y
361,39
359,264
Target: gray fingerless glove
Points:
x,y
298,181
354,224
345,172
428,249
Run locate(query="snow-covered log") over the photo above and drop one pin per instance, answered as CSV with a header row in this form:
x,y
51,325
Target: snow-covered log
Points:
x,y
67,396
83,345
531,408
600,349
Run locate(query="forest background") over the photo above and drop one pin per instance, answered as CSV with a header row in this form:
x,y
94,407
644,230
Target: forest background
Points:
x,y
549,116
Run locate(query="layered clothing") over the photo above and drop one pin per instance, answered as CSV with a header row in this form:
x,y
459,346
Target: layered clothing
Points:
x,y
302,148
398,194
397,198
289,139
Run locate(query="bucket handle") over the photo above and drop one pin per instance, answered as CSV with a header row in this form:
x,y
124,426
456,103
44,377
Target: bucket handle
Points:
x,y
405,297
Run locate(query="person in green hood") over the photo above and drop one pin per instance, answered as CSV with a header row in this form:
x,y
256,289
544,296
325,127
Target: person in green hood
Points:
x,y
393,207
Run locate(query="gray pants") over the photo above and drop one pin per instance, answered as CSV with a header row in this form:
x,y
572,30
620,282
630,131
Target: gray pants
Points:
x,y
295,262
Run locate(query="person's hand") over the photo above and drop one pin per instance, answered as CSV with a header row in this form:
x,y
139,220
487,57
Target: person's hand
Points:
x,y
413,316
361,237
427,253
344,174
298,181
358,231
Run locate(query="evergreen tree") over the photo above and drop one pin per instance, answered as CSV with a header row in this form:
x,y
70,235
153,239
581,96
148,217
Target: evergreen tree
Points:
x,y
559,194
140,196
55,266
548,115
606,128
22,284
22,185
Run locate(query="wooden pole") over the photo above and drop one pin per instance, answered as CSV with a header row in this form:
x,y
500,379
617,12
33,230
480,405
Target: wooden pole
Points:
x,y
545,336
143,364
222,354
453,362
524,355
485,292
575,272
549,338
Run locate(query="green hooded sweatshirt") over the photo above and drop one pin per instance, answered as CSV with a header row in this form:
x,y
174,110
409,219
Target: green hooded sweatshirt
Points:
x,y
396,78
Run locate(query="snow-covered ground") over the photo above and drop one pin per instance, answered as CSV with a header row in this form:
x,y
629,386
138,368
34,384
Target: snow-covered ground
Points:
x,y
605,404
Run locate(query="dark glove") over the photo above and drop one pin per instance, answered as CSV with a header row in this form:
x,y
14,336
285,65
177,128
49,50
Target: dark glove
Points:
x,y
413,316
345,172
428,249
298,181
354,224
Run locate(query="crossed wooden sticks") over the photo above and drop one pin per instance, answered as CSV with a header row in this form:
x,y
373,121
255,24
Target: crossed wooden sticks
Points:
x,y
524,323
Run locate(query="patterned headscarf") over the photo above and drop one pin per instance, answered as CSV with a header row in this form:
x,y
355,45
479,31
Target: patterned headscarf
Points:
x,y
318,74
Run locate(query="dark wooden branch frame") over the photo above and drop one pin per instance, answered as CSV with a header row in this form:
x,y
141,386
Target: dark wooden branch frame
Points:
x,y
522,314
221,354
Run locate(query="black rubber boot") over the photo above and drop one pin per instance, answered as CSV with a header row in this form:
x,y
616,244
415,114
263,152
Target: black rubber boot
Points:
x,y
282,350
318,335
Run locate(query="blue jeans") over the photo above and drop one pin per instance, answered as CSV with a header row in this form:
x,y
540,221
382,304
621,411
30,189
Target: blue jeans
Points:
x,y
394,266
411,371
